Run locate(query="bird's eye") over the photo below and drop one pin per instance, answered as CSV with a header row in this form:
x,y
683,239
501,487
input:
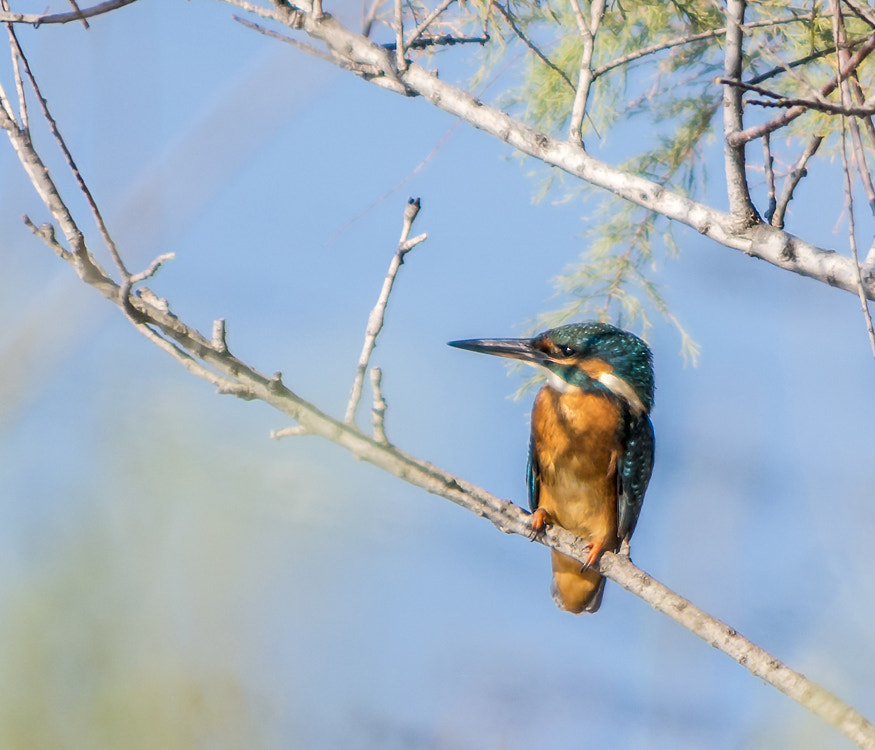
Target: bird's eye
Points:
x,y
567,351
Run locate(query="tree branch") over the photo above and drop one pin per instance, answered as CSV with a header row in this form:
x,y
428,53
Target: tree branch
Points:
x,y
37,19
587,31
792,180
740,205
375,319
791,114
761,240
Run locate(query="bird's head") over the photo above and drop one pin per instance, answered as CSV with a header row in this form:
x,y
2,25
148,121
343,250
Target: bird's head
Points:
x,y
592,356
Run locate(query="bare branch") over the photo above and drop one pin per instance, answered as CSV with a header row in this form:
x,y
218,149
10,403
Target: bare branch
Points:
x,y
740,205
78,10
152,269
427,21
757,131
46,232
779,100
37,19
861,12
375,319
378,411
761,240
16,72
508,16
839,34
687,39
400,60
68,157
792,180
588,31
768,161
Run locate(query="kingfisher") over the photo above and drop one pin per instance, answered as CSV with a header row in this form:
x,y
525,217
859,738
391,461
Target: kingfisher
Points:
x,y
591,446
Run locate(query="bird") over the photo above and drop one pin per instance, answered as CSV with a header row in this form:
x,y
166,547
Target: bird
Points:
x,y
591,448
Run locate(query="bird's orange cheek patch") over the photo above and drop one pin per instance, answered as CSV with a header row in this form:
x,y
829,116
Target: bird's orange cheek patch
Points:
x,y
596,367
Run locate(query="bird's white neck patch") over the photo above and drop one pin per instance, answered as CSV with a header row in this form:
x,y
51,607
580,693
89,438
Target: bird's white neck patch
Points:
x,y
615,384
623,390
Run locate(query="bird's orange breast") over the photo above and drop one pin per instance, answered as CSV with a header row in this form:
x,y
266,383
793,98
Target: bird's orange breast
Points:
x,y
576,446
576,440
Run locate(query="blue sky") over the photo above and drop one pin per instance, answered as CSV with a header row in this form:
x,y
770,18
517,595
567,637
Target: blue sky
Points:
x,y
170,574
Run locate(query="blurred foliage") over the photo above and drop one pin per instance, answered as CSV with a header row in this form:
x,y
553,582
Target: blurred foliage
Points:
x,y
654,61
132,622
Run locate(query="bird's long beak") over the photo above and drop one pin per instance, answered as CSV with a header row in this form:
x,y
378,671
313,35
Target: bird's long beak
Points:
x,y
522,349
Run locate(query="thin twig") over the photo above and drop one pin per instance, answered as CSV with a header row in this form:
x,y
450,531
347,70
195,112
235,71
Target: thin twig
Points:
x,y
398,185
508,16
38,19
375,319
46,232
768,162
303,46
369,16
851,88
779,100
686,39
78,10
440,40
792,180
863,13
68,157
427,21
757,131
838,32
785,67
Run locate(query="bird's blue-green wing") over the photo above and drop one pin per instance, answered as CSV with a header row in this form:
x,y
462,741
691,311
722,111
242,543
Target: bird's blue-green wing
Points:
x,y
533,477
634,472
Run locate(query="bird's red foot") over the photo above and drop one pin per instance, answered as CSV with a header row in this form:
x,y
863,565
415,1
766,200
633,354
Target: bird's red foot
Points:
x,y
595,551
540,520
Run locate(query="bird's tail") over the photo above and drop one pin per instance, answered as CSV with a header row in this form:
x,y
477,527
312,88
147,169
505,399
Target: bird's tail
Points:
x,y
574,588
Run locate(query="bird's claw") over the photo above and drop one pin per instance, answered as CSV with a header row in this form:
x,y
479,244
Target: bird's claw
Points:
x,y
540,521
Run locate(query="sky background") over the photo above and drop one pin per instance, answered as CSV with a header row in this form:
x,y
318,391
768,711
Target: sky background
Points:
x,y
172,577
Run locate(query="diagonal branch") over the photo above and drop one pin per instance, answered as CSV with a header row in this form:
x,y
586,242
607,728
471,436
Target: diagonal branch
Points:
x,y
508,16
792,180
761,240
38,19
